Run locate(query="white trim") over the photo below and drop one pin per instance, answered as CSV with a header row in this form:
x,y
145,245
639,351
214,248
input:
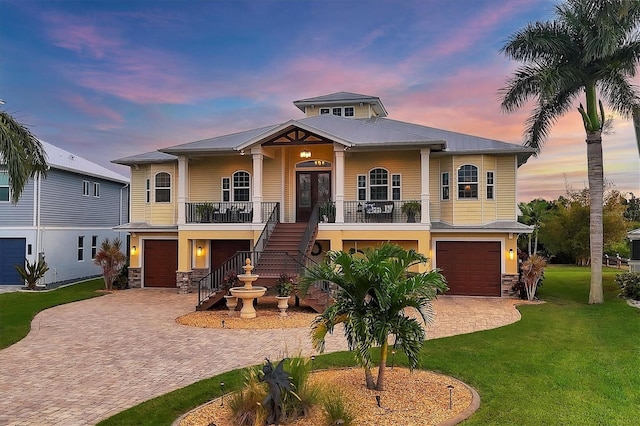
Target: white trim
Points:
x,y
86,188
96,190
399,187
358,187
478,197
369,185
442,186
233,188
493,185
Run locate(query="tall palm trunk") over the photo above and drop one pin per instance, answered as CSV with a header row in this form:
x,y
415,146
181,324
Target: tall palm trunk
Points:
x,y
596,188
636,124
383,365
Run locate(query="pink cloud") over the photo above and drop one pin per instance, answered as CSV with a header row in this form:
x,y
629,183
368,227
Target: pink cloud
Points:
x,y
93,108
80,36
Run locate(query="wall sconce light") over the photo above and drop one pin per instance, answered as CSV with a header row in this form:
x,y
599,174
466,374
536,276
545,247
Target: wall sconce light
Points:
x,y
305,154
510,254
199,251
134,250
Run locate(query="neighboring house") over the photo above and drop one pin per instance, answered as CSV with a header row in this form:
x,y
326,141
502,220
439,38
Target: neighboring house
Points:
x,y
63,217
634,259
194,205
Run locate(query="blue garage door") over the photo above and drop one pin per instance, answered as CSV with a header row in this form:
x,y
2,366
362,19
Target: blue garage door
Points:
x,y
12,251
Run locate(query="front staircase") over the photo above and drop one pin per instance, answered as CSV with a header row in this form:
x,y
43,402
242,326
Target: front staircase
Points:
x,y
285,250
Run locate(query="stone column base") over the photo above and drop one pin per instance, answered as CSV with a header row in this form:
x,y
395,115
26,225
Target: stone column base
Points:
x,y
135,277
183,282
508,281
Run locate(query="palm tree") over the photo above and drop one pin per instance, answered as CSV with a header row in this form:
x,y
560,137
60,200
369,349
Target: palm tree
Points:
x,y
373,290
534,213
21,152
591,46
111,259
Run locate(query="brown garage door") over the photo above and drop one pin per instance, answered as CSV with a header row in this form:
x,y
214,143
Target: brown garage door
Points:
x,y
160,263
472,268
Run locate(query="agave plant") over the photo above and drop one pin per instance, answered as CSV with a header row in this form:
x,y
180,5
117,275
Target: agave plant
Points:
x,y
31,273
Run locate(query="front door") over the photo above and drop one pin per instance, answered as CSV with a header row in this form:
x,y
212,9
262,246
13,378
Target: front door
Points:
x,y
311,188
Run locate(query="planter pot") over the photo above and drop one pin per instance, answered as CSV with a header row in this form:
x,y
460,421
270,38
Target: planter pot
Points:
x,y
411,218
232,302
283,304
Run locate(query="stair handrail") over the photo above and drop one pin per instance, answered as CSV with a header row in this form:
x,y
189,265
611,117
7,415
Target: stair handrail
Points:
x,y
269,226
309,231
215,280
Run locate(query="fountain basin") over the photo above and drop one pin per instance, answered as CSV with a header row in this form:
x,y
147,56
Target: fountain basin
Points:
x,y
247,294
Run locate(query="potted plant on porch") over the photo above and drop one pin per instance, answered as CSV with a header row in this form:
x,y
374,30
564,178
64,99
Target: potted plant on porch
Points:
x,y
284,287
411,208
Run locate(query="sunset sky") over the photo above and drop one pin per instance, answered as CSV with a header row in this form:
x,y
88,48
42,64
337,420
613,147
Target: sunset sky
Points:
x,y
109,79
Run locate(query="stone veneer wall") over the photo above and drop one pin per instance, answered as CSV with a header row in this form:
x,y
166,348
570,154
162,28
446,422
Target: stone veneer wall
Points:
x,y
508,281
135,277
183,282
197,275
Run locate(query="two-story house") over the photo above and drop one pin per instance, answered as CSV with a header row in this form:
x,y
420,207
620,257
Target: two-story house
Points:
x,y
344,177
63,217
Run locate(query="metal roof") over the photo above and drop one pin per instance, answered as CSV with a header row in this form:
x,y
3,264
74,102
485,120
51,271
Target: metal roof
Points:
x,y
60,159
499,225
357,134
342,98
147,157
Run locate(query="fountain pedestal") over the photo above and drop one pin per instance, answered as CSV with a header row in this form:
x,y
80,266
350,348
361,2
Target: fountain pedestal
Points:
x,y
248,292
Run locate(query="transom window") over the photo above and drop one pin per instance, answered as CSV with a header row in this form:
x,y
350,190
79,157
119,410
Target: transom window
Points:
x,y
241,186
163,187
468,181
4,184
445,186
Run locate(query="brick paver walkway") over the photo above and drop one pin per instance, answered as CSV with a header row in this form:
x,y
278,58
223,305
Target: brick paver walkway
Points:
x,y
85,361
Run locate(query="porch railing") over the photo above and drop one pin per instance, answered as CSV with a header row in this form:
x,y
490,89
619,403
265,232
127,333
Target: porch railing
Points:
x,y
226,212
378,212
309,232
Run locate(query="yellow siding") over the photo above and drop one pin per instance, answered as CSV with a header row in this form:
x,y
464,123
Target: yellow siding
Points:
x,y
405,163
506,187
447,206
434,189
138,193
205,175
272,177
489,164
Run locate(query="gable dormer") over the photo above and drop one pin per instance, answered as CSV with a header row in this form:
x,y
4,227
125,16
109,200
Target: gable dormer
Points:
x,y
344,104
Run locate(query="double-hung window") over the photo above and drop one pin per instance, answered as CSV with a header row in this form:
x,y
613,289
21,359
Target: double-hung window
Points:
x,y
468,182
226,189
94,246
362,187
163,187
86,185
96,189
395,187
445,186
80,249
148,190
490,186
4,184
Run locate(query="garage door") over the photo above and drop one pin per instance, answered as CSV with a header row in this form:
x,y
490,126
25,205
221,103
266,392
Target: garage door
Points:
x,y
160,263
12,252
472,268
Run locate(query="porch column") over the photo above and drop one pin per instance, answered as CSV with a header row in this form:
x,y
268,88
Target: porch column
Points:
x,y
183,165
258,158
338,151
425,216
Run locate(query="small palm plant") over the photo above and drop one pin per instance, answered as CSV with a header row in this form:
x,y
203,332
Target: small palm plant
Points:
x,y
111,259
31,273
532,273
373,291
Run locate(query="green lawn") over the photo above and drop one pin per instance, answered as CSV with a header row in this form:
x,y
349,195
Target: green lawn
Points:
x,y
18,309
564,363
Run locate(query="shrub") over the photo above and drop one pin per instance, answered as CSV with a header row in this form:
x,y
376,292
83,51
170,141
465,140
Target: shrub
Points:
x,y
246,405
285,284
629,284
122,280
306,395
335,410
32,272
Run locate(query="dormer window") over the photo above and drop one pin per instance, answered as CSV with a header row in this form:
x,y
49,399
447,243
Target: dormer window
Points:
x,y
349,112
337,111
324,111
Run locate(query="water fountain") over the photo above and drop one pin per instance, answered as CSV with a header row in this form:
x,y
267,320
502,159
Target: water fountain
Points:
x,y
248,292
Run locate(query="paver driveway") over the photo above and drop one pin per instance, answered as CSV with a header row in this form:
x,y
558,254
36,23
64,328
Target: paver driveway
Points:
x,y
85,361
